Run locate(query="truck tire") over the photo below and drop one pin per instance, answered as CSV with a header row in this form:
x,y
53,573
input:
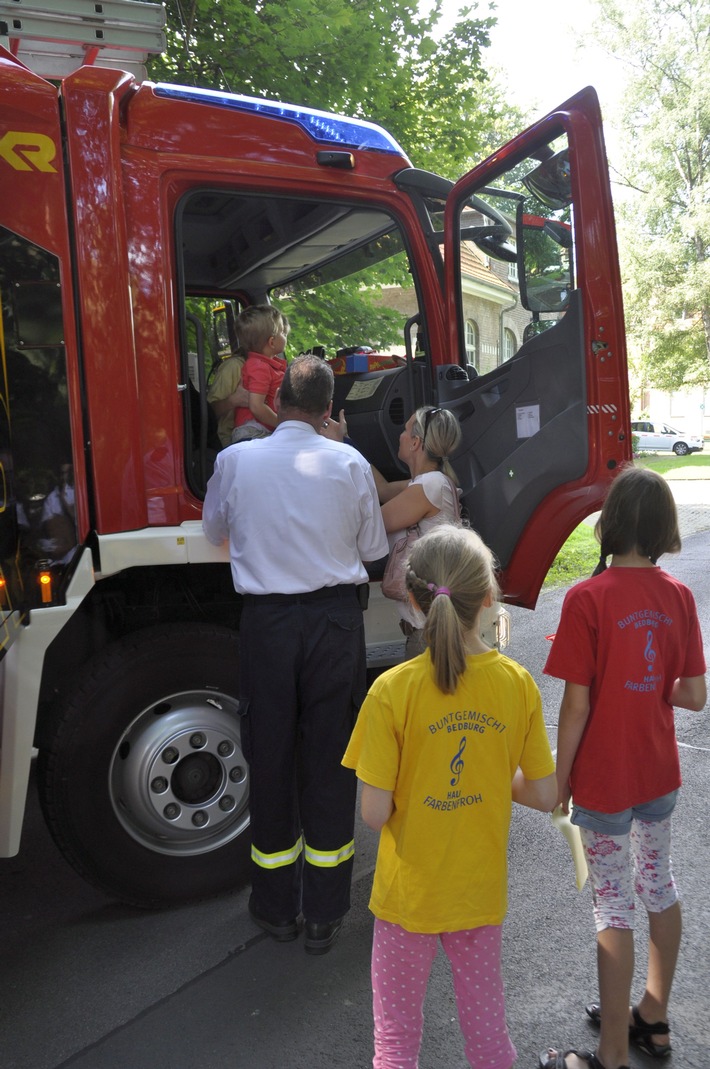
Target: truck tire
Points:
x,y
144,785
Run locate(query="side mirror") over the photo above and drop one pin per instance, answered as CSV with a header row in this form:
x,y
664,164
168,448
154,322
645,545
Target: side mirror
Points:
x,y
551,181
544,262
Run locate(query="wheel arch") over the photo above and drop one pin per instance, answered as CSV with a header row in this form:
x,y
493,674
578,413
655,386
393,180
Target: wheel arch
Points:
x,y
124,603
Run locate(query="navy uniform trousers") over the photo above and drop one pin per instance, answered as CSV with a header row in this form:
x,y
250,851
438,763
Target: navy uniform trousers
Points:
x,y
303,678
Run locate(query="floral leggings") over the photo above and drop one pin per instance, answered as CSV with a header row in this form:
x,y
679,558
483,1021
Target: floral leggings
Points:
x,y
610,859
401,963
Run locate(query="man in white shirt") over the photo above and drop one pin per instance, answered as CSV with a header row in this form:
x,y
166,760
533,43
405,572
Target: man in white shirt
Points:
x,y
301,514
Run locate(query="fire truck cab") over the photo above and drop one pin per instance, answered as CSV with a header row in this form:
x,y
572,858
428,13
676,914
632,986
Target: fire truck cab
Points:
x,y
136,220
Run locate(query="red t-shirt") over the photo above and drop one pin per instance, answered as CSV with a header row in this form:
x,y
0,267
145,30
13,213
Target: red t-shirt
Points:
x,y
627,634
261,374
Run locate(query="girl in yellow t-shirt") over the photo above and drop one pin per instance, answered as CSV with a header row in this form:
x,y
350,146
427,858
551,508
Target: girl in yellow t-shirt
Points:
x,y
443,745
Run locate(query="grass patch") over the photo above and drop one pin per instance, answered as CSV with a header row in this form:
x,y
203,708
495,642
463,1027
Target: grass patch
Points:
x,y
694,466
577,559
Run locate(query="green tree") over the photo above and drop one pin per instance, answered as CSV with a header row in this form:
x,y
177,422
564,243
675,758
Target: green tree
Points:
x,y
345,311
665,212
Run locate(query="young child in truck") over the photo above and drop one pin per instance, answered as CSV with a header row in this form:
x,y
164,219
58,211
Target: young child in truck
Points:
x,y
262,330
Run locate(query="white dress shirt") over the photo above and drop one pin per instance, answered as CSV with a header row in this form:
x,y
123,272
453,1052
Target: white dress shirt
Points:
x,y
300,512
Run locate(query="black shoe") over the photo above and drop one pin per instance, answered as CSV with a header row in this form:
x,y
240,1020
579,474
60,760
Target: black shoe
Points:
x,y
281,931
320,936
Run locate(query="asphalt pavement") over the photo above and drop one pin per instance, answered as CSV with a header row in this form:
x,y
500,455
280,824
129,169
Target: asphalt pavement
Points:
x,y
90,984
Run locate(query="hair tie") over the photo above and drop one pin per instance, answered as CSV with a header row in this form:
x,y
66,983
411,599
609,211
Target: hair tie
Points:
x,y
439,590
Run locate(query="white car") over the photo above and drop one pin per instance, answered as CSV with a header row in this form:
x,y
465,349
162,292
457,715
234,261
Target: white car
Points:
x,y
654,435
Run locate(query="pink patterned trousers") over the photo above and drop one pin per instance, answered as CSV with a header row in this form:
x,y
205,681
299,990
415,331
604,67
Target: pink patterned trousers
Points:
x,y
401,964
621,865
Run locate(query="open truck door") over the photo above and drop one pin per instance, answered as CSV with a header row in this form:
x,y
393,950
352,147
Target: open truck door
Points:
x,y
43,510
546,430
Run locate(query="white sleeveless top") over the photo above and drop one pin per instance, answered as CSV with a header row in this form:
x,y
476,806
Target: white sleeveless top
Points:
x,y
439,491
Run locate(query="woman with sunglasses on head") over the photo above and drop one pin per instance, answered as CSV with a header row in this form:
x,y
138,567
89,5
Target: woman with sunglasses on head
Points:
x,y
428,498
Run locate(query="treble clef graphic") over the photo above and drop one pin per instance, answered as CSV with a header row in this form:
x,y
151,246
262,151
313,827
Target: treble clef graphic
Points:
x,y
457,762
649,653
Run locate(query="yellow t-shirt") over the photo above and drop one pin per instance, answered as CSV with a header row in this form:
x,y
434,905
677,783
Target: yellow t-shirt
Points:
x,y
226,380
450,760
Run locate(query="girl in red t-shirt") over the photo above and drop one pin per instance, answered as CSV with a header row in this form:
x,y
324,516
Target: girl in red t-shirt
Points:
x,y
629,648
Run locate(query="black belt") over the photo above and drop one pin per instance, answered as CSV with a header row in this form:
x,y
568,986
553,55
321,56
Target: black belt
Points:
x,y
343,590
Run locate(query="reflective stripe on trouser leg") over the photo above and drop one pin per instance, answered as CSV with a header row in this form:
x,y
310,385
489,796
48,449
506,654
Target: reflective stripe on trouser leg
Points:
x,y
279,859
329,859
332,686
299,722
270,721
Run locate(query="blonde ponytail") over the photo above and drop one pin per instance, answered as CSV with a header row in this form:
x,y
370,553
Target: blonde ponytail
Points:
x,y
450,573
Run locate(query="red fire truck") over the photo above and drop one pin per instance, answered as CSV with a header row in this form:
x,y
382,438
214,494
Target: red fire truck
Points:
x,y
134,219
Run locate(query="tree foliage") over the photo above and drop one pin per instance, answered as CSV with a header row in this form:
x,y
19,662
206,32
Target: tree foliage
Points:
x,y
346,311
665,215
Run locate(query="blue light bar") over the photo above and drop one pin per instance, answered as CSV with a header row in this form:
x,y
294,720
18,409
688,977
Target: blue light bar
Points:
x,y
322,126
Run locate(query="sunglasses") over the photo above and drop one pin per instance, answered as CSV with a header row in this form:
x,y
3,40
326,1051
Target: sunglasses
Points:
x,y
428,416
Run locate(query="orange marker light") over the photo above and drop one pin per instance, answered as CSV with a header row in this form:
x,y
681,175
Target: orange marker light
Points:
x,y
45,585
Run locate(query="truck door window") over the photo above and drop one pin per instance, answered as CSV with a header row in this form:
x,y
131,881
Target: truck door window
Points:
x,y
516,260
338,271
37,482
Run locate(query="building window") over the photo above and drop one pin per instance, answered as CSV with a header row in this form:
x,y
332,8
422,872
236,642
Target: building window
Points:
x,y
513,272
510,344
473,345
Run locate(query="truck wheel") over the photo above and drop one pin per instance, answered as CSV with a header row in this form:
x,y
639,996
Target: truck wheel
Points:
x,y
144,786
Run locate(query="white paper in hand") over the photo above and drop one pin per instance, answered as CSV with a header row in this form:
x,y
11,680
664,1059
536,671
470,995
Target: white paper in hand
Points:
x,y
571,833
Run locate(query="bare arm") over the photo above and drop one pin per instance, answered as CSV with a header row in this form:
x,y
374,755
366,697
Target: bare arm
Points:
x,y
261,411
407,508
376,806
226,392
690,692
535,793
574,713
387,490
238,399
